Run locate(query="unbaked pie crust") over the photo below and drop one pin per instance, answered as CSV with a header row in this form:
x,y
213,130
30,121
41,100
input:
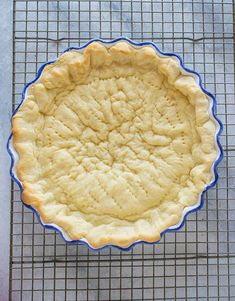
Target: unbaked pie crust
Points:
x,y
114,142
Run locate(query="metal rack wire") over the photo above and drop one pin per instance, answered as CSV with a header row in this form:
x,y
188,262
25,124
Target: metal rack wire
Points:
x,y
196,263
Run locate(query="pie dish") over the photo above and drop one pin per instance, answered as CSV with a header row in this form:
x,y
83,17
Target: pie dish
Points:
x,y
114,143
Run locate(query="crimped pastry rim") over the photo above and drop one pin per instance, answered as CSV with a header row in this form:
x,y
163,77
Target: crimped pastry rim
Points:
x,y
186,210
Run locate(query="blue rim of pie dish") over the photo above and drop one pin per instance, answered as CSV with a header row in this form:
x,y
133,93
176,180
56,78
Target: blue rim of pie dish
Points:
x,y
215,164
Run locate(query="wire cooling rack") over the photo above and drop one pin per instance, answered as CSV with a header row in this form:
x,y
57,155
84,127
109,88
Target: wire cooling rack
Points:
x,y
196,263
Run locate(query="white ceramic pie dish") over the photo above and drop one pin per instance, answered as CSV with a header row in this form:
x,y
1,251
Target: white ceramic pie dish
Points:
x,y
187,210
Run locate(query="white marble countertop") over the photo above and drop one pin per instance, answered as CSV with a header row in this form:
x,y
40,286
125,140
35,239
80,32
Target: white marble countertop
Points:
x,y
208,233
6,22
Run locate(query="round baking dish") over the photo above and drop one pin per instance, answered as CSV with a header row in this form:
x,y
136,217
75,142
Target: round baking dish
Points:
x,y
212,104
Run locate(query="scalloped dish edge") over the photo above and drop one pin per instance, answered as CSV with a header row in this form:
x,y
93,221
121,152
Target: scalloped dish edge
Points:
x,y
219,127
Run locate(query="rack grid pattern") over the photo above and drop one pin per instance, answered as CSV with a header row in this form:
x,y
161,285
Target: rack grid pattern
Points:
x,y
197,262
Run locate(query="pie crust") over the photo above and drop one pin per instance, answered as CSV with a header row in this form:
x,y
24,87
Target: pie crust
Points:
x,y
113,143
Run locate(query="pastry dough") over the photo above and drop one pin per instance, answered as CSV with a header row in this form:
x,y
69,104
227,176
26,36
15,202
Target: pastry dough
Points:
x,y
114,142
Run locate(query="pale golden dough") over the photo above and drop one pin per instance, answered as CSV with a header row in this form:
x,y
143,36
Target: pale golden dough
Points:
x,y
114,143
